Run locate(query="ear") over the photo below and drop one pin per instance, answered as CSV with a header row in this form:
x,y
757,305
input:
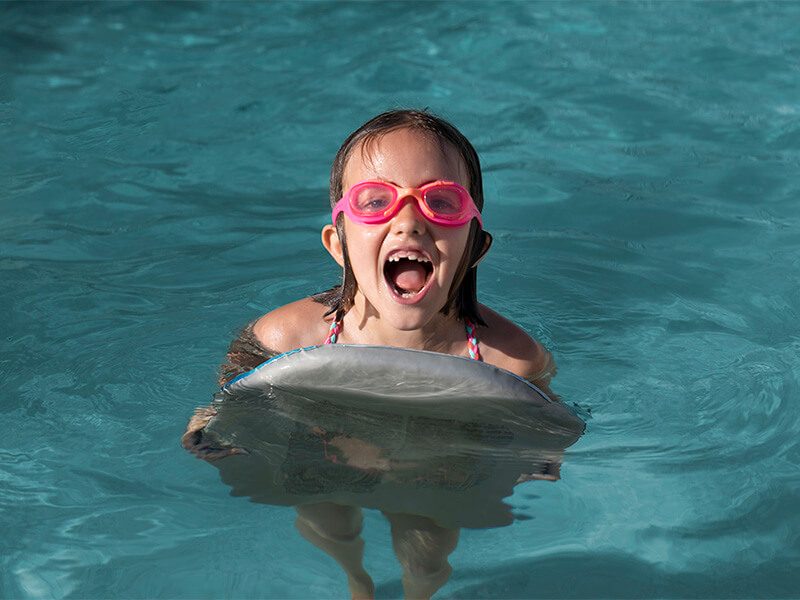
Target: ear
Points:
x,y
487,243
332,243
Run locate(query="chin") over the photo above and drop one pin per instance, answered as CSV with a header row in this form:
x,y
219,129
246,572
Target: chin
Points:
x,y
411,318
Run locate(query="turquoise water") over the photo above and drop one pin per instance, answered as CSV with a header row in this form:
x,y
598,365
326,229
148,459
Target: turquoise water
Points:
x,y
163,179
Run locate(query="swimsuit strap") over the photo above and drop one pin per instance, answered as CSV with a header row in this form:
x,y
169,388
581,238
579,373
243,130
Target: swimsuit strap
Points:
x,y
472,339
333,332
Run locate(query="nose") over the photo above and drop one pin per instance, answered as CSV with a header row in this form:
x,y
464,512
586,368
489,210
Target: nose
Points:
x,y
409,219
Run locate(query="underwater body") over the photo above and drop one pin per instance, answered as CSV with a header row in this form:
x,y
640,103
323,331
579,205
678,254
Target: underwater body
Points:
x,y
164,177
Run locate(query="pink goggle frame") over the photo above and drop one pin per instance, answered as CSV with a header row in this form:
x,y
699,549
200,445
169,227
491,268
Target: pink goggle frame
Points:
x,y
441,202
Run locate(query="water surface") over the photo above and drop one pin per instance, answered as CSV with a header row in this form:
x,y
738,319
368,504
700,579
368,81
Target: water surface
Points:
x,y
163,179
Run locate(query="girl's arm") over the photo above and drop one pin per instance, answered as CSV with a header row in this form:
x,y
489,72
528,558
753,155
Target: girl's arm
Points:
x,y
543,369
244,354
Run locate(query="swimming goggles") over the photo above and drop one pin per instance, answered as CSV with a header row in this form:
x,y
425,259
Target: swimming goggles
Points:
x,y
441,202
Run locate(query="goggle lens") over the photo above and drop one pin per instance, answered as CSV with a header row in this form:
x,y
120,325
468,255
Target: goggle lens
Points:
x,y
372,199
444,201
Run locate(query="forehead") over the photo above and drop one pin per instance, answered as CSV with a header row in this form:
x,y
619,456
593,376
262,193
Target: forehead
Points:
x,y
406,157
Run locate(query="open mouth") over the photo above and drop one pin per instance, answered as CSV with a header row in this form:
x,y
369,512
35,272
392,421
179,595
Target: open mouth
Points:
x,y
407,274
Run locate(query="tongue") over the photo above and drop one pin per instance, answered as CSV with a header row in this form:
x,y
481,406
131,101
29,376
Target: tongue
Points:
x,y
408,275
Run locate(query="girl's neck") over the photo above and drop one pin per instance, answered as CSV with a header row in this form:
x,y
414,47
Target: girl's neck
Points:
x,y
440,334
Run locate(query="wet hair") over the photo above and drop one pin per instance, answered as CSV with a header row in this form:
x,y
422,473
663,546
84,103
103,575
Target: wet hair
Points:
x,y
462,297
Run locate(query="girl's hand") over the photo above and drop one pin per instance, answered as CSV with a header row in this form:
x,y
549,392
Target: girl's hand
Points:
x,y
360,454
551,471
193,440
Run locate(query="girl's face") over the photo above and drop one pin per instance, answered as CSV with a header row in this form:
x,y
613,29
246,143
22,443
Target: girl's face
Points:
x,y
405,267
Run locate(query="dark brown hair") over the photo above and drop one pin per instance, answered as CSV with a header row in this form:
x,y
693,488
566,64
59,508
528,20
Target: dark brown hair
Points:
x,y
463,297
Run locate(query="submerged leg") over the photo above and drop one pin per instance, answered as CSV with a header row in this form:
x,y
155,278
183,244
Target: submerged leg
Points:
x,y
422,547
336,530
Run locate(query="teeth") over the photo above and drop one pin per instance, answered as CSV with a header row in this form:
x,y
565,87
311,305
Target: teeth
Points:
x,y
409,255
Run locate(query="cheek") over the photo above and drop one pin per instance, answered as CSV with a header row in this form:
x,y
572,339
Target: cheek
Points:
x,y
363,245
364,240
453,244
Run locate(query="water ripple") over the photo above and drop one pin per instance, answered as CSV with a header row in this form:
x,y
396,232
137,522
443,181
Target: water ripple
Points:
x,y
164,180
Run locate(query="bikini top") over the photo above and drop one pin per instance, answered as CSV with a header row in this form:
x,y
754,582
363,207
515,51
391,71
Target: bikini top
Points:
x,y
469,326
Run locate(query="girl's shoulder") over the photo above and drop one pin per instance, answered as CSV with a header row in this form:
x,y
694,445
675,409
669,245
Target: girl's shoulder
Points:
x,y
506,345
295,325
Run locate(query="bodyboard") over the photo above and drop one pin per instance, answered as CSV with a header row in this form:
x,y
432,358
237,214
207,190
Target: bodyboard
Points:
x,y
399,430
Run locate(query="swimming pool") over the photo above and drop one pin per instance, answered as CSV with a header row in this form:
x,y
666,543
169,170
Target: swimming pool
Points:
x,y
164,179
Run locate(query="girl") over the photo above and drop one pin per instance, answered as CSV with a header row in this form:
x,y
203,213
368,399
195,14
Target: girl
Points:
x,y
406,195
